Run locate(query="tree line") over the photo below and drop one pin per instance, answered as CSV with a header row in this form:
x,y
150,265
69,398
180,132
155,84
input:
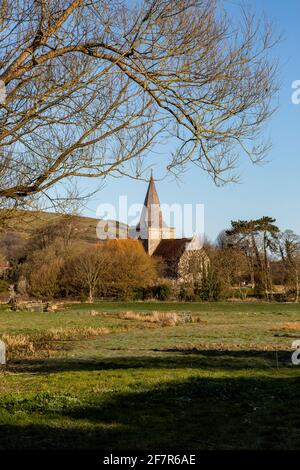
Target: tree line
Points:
x,y
250,258
257,258
56,263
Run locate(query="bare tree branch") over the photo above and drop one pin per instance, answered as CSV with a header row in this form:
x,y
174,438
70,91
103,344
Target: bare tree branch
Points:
x,y
92,85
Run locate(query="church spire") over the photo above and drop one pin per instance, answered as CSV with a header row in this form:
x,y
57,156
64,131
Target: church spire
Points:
x,y
151,195
151,229
151,215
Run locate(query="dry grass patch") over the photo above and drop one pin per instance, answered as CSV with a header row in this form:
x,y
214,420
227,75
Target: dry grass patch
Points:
x,y
160,318
73,334
44,342
291,326
163,319
19,345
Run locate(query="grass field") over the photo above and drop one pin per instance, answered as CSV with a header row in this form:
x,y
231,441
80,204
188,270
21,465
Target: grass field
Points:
x,y
93,376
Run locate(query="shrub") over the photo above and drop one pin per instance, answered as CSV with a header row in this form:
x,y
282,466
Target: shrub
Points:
x,y
186,294
210,288
281,297
42,270
162,292
159,292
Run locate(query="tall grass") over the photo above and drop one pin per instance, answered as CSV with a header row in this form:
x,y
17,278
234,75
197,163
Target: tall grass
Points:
x,y
160,318
152,319
44,342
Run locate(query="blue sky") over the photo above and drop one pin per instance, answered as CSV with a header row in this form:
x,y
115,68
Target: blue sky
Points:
x,y
272,189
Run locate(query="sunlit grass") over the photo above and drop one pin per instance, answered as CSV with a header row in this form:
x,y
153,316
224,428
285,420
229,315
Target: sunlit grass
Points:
x,y
111,378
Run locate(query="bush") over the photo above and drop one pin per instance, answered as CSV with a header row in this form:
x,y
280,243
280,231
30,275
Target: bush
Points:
x,y
162,292
281,297
210,288
241,293
186,294
159,292
42,272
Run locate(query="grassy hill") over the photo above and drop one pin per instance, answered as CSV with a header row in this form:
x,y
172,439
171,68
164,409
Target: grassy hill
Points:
x,y
26,223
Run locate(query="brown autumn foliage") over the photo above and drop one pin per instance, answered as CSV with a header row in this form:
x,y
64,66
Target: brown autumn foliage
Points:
x,y
42,272
130,266
111,268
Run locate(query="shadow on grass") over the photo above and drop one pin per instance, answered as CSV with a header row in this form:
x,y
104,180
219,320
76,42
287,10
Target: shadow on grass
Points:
x,y
198,413
170,358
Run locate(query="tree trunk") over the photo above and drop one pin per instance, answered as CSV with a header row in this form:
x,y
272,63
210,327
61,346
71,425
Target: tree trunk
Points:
x,y
251,270
258,280
91,296
297,286
265,266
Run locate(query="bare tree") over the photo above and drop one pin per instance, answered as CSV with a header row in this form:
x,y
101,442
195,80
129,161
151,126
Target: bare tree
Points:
x,y
230,261
289,250
91,84
88,269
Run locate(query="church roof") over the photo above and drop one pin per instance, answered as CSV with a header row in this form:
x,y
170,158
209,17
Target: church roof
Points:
x,y
172,248
151,215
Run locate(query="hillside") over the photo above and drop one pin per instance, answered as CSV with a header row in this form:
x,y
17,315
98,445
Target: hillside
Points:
x,y
26,223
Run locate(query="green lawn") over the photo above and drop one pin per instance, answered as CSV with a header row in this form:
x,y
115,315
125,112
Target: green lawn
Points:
x,y
225,381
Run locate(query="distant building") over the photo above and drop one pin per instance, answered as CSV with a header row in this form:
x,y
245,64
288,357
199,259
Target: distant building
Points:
x,y
184,258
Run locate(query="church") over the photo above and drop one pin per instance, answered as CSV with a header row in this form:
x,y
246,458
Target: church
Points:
x,y
184,259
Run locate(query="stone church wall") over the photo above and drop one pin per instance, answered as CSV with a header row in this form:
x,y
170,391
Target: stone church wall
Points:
x,y
191,266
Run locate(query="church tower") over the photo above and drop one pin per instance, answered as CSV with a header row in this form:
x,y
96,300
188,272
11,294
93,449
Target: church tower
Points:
x,y
151,228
